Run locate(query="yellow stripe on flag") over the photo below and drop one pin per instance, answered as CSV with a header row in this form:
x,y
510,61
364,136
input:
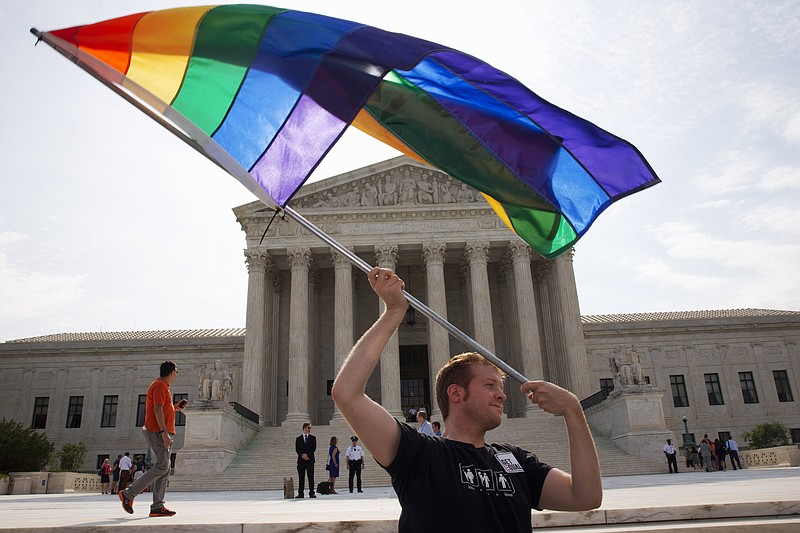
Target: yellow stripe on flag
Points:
x,y
162,43
499,210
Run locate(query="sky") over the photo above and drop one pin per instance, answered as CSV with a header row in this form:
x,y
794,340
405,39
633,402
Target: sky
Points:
x,y
109,223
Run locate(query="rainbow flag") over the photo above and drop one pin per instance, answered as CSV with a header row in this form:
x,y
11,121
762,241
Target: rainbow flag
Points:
x,y
270,91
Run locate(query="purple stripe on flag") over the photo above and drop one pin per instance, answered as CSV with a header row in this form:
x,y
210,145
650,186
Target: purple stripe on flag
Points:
x,y
295,153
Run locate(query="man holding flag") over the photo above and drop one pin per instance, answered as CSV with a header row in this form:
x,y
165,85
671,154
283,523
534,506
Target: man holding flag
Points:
x,y
495,486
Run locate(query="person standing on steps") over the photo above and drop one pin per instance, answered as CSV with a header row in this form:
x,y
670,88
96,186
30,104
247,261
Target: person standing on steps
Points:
x,y
305,445
672,456
355,462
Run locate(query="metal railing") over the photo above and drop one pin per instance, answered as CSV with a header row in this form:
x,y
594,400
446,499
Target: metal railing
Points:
x,y
245,412
594,399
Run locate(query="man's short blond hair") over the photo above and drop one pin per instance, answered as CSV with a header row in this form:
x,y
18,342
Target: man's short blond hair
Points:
x,y
458,370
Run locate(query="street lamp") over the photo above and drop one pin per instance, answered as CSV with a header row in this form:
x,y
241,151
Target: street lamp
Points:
x,y
687,439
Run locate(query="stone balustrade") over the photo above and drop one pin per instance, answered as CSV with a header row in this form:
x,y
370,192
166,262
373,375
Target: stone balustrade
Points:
x,y
765,457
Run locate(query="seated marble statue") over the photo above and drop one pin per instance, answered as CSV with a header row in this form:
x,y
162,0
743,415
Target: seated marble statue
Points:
x,y
217,384
626,368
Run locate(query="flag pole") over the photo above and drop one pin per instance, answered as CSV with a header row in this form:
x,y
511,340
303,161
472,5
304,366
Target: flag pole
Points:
x,y
414,302
185,130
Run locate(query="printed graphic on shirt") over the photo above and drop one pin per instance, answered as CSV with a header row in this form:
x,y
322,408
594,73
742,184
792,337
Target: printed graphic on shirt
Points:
x,y
486,480
504,483
509,463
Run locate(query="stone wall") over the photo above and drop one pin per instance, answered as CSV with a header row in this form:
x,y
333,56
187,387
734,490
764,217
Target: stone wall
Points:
x,y
777,456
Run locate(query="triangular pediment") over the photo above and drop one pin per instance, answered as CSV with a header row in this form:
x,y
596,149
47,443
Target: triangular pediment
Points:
x,y
400,182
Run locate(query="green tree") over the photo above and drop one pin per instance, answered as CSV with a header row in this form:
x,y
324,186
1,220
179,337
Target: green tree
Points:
x,y
23,449
71,457
767,435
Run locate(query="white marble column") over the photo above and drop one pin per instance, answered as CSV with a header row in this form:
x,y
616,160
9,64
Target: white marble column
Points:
x,y
558,372
570,327
313,375
477,255
271,390
386,257
343,318
527,318
255,350
515,403
434,254
300,261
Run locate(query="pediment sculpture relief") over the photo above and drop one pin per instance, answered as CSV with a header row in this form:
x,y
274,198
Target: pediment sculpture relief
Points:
x,y
400,186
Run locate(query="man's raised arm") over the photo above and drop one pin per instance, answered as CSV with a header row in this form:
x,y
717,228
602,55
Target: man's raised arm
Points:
x,y
582,489
376,427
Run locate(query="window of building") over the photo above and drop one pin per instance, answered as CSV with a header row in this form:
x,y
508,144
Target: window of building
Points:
x,y
713,390
749,394
724,436
74,411
782,386
40,405
795,433
606,384
100,458
679,396
109,417
180,418
141,406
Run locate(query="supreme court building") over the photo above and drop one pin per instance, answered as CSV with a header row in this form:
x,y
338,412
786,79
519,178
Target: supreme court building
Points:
x,y
306,305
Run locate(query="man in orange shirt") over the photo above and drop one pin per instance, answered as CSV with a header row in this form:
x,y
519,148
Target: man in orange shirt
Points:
x,y
158,430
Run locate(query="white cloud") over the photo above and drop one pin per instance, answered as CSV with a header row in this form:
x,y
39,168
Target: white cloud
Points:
x,y
651,270
782,177
765,271
716,204
792,129
772,217
28,294
736,171
771,107
9,237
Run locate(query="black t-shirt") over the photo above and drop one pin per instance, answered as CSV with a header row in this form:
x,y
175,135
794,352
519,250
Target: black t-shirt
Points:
x,y
444,484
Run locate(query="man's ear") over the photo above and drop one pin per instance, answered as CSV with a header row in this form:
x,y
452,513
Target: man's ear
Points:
x,y
454,392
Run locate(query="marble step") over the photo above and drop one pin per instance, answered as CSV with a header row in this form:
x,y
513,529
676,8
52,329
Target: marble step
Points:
x,y
270,457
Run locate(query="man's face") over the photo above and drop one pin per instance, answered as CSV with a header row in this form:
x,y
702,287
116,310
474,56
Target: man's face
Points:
x,y
420,419
484,397
171,378
307,430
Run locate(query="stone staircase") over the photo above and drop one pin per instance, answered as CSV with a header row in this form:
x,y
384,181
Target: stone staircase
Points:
x,y
270,456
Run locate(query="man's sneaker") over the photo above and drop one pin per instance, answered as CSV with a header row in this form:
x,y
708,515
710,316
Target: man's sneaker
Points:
x,y
126,503
162,512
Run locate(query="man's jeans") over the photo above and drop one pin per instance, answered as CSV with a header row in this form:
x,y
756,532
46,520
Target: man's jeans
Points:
x,y
156,476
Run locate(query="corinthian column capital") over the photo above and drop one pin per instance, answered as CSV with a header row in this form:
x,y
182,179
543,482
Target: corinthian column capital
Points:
x,y
519,251
386,255
477,251
434,253
299,258
340,260
256,260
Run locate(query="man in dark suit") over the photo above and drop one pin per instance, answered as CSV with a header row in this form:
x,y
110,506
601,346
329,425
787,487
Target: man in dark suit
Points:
x,y
305,445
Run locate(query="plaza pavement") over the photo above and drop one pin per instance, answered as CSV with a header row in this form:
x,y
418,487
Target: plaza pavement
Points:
x,y
767,499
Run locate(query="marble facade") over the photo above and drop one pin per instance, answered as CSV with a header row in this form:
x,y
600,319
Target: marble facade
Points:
x,y
306,305
453,253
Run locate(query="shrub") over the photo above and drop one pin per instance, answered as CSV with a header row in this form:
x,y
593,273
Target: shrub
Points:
x,y
23,449
767,435
71,457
